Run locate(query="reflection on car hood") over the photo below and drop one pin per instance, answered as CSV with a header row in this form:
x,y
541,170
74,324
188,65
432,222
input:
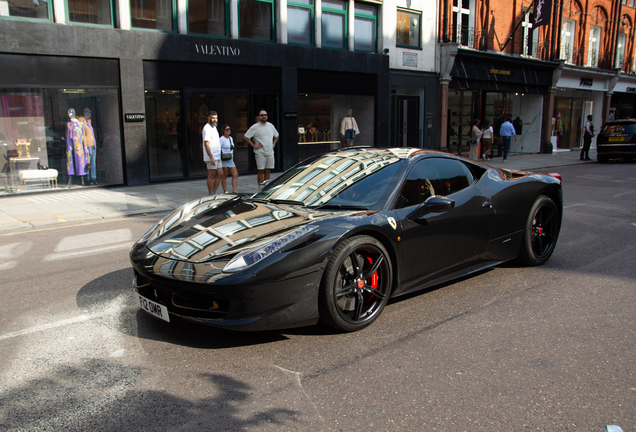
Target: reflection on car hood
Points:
x,y
217,226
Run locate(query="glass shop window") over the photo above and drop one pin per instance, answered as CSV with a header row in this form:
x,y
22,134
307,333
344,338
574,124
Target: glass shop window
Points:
x,y
408,32
365,27
153,14
256,20
334,24
97,12
166,146
41,9
208,17
300,19
59,138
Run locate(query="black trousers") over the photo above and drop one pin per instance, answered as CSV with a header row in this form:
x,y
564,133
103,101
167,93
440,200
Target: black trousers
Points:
x,y
587,142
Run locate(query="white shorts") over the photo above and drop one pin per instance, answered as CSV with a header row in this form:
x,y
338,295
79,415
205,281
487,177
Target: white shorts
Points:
x,y
217,164
263,161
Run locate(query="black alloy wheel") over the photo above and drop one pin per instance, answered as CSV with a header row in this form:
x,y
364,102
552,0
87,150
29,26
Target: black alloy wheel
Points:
x,y
541,232
356,284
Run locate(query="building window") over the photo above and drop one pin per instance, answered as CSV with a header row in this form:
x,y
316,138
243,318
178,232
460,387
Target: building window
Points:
x,y
567,40
408,29
256,19
334,24
593,46
152,14
620,51
300,18
365,27
26,9
208,17
90,11
463,34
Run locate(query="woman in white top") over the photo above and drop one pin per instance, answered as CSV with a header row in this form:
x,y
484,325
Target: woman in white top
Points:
x,y
227,146
486,140
475,135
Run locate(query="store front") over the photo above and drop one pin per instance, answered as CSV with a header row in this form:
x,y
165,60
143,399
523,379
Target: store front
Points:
x,y
63,133
488,88
577,96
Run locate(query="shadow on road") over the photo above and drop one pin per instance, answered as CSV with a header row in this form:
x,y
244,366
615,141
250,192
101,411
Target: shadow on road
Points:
x,y
101,395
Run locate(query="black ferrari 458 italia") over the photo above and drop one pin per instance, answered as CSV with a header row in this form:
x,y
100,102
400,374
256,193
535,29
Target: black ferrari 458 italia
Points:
x,y
336,236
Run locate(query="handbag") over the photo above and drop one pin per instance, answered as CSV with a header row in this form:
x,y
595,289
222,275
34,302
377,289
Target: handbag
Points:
x,y
472,141
227,155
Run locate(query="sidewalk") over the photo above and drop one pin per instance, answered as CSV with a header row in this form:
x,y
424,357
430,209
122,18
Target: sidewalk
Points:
x,y
35,211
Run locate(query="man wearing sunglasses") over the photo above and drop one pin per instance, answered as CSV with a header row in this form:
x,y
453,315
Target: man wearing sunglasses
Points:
x,y
262,137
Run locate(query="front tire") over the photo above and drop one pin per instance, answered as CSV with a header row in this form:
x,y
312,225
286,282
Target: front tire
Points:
x,y
541,232
356,284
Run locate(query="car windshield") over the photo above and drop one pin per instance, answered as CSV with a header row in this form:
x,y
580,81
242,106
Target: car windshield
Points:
x,y
356,179
623,128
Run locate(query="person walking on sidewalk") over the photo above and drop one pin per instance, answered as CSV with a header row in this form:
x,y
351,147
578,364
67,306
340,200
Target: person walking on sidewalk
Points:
x,y
212,152
506,132
486,140
588,134
227,157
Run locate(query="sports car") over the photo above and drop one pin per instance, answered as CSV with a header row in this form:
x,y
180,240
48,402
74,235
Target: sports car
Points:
x,y
337,235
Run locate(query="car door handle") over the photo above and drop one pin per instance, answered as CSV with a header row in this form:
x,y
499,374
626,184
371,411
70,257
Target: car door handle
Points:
x,y
487,204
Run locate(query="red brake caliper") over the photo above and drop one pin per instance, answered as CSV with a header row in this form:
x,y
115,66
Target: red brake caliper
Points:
x,y
373,281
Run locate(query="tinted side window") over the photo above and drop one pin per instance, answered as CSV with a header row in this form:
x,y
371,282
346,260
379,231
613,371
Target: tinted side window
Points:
x,y
434,176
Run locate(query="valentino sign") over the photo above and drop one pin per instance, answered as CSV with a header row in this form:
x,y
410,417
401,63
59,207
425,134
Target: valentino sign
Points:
x,y
220,50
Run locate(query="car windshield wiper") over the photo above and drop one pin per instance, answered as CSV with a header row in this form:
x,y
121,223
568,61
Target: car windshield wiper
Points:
x,y
341,207
285,201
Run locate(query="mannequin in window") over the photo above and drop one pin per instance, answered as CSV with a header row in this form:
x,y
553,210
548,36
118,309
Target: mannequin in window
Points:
x,y
76,155
90,146
349,129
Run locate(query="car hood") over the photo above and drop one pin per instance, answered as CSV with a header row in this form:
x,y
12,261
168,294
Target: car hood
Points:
x,y
218,227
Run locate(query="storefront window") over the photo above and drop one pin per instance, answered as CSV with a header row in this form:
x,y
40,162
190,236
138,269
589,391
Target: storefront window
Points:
x,y
325,122
256,19
90,11
365,27
208,17
408,29
334,24
300,18
54,138
152,14
25,9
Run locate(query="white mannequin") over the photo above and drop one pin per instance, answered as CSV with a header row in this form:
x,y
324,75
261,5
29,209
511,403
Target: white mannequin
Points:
x,y
349,129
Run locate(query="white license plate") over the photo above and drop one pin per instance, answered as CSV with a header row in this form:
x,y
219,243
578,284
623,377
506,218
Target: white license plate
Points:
x,y
154,308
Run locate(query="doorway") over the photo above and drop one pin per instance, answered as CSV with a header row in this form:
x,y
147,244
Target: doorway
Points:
x,y
408,121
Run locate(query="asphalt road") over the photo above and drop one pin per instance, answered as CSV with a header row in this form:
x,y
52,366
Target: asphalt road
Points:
x,y
513,348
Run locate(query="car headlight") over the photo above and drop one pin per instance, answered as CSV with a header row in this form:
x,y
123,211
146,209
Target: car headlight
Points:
x,y
250,257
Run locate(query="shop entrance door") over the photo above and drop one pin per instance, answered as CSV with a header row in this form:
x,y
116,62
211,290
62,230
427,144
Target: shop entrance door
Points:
x,y
408,127
198,104
166,147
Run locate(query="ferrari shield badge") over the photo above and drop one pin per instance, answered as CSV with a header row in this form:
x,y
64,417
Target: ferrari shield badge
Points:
x,y
392,222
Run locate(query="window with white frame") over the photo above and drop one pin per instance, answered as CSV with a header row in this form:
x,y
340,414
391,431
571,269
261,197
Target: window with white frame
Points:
x,y
365,30
530,37
152,14
409,29
567,40
256,20
208,17
593,46
334,24
300,20
462,32
620,51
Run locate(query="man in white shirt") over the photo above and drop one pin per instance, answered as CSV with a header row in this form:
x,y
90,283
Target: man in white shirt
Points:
x,y
262,137
212,152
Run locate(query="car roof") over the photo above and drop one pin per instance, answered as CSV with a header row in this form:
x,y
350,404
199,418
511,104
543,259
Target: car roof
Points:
x,y
399,152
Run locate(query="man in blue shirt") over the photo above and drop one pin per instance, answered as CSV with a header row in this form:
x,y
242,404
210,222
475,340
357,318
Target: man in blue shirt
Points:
x,y
506,132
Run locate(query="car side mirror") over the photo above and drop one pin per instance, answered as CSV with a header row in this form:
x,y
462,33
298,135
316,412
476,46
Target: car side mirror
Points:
x,y
433,204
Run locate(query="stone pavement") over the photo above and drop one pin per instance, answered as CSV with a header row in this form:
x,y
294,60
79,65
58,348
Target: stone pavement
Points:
x,y
40,210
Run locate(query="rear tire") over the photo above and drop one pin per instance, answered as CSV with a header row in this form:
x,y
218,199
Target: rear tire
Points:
x,y
541,232
356,284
